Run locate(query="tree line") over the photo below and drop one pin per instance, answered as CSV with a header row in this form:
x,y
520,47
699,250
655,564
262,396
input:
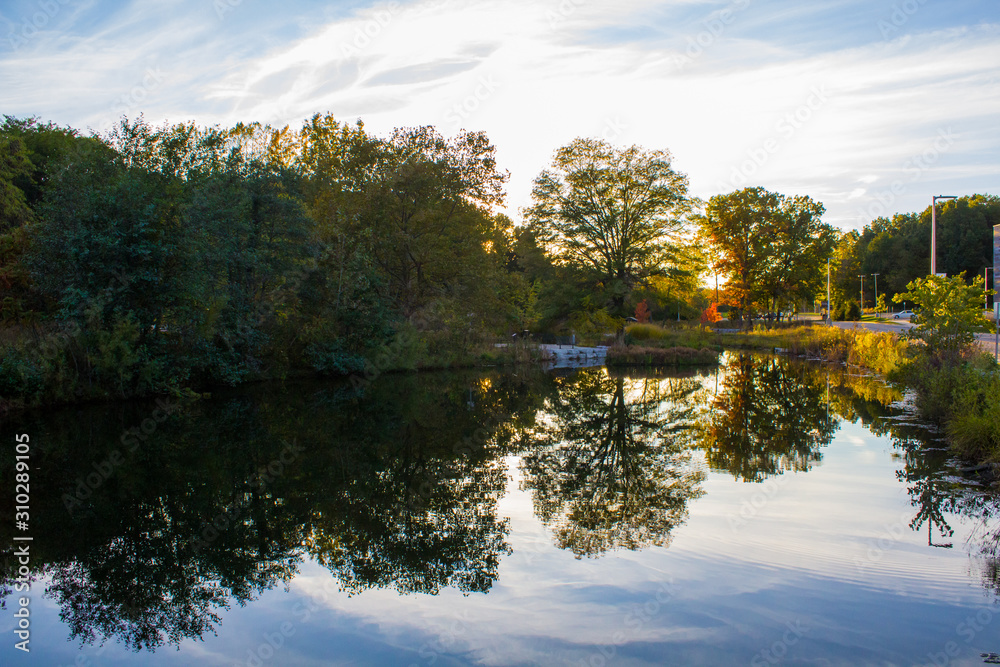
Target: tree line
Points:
x,y
152,258
158,257
898,249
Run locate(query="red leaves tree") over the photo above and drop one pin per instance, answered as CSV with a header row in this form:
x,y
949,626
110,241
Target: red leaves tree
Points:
x,y
642,312
711,315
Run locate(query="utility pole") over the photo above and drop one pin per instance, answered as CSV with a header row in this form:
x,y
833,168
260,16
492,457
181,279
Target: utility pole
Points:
x,y
829,306
862,295
876,293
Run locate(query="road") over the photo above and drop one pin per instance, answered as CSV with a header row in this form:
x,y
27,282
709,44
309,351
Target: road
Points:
x,y
896,326
986,341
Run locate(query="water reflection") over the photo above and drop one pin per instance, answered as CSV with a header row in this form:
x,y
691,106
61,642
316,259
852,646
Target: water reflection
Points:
x,y
394,487
130,560
609,466
768,417
402,489
397,486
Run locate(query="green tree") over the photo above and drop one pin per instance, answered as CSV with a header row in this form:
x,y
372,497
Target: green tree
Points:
x,y
898,248
426,217
106,240
615,214
950,311
880,305
848,310
47,149
770,247
800,245
14,162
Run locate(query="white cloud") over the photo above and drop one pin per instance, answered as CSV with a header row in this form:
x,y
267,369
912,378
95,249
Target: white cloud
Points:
x,y
536,75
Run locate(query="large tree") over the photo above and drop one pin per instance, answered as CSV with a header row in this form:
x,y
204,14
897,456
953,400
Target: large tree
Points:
x,y
768,245
614,213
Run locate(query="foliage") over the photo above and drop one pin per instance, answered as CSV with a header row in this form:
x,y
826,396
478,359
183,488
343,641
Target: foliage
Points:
x,y
613,214
847,310
974,427
603,473
755,428
769,246
950,311
710,315
642,314
644,331
14,163
898,248
227,254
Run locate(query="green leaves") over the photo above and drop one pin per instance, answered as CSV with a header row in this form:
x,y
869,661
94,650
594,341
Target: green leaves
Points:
x,y
14,162
616,213
898,249
770,246
950,311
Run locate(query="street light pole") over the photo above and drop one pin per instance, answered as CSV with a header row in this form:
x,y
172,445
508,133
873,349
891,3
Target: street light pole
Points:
x,y
876,294
934,230
986,289
862,295
829,306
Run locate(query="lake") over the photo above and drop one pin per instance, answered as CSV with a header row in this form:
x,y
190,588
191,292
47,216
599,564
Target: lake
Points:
x,y
765,511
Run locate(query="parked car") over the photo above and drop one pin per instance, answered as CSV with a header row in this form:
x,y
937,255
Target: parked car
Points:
x,y
903,315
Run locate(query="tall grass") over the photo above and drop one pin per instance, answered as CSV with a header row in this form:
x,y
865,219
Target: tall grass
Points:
x,y
974,427
652,335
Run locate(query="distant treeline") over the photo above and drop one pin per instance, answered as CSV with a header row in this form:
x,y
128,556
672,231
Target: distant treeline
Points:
x,y
899,249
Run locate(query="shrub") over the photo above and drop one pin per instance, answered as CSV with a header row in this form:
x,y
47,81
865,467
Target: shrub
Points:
x,y
847,311
645,332
20,377
974,413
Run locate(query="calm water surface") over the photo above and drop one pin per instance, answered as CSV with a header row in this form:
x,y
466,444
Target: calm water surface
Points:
x,y
764,512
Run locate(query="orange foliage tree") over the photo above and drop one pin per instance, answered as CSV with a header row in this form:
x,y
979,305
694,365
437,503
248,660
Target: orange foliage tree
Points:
x,y
711,315
642,312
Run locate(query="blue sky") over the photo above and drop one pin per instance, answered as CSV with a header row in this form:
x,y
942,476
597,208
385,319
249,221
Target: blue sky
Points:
x,y
870,107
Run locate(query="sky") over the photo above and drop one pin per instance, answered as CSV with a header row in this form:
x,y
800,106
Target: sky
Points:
x,y
868,106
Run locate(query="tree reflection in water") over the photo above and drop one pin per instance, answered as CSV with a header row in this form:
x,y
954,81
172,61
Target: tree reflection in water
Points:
x,y
406,497
937,487
770,415
131,561
609,463
398,486
395,488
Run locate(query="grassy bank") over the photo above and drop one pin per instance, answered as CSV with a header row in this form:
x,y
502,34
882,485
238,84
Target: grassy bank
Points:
x,y
48,367
881,352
